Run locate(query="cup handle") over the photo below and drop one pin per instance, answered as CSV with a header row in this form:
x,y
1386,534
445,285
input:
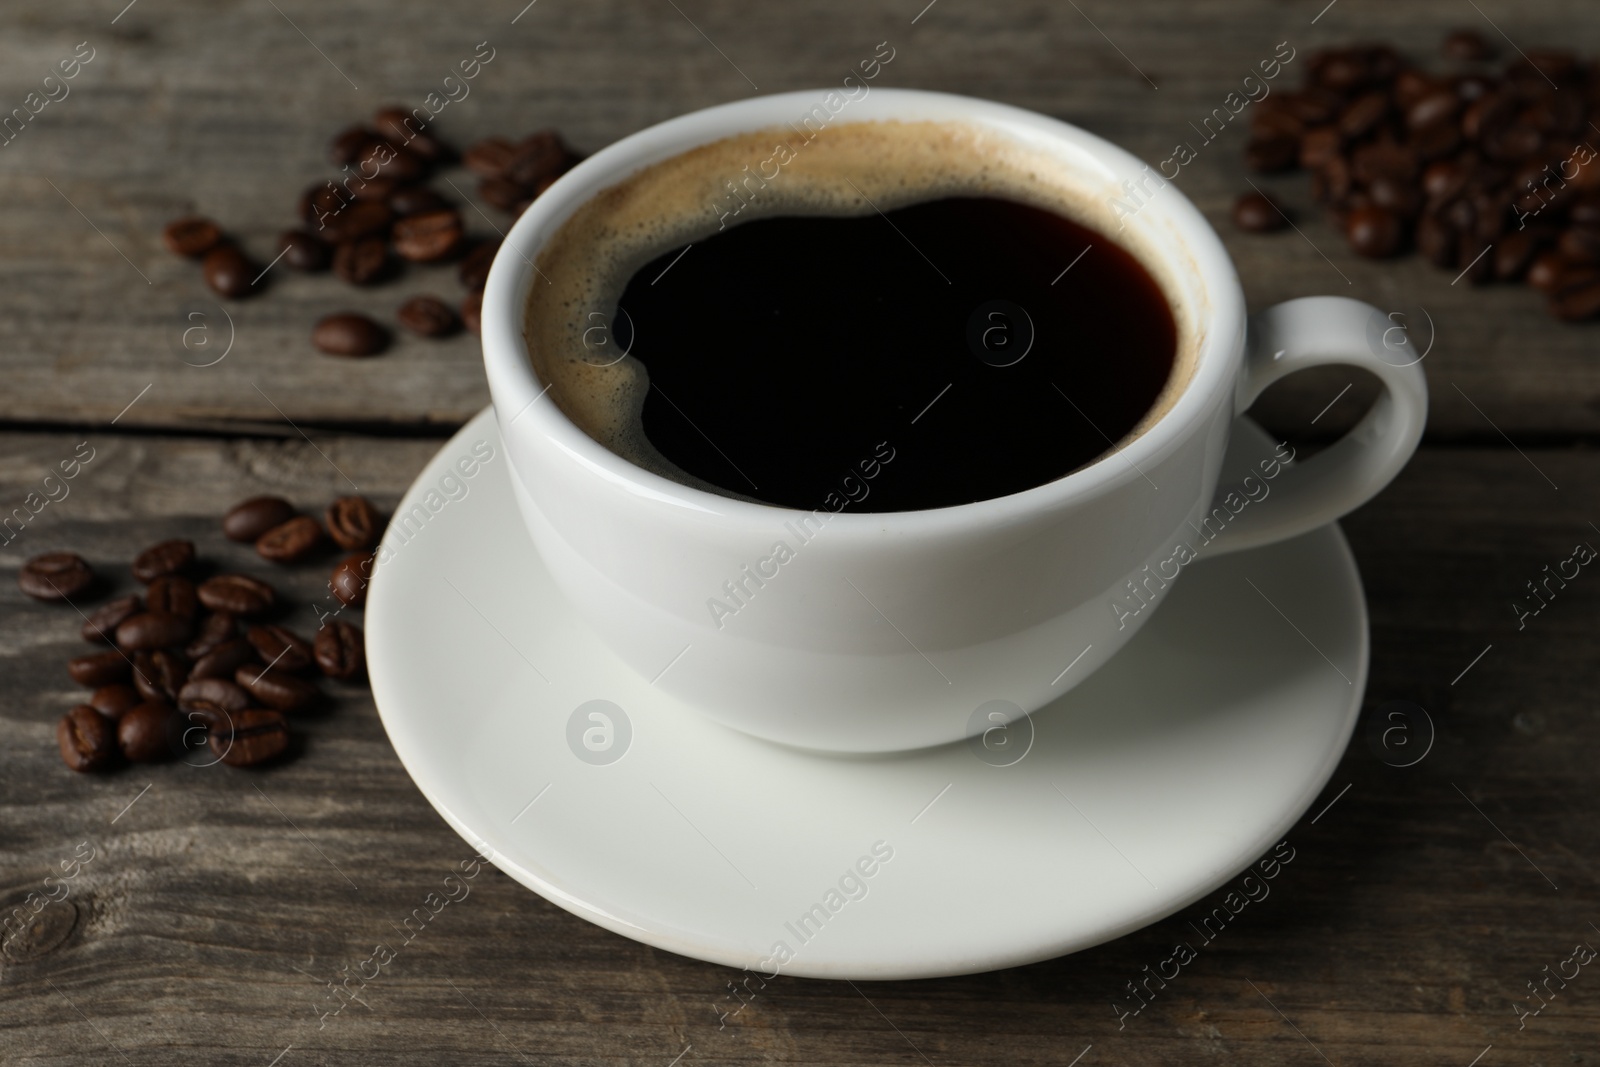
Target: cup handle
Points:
x,y
1310,332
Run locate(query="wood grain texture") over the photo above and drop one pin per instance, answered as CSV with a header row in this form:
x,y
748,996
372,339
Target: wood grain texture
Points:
x,y
188,106
220,904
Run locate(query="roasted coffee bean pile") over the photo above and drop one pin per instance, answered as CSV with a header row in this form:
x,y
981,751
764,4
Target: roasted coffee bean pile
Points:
x,y
1489,174
380,213
198,660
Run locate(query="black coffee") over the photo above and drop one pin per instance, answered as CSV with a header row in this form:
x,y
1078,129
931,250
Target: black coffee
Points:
x,y
988,346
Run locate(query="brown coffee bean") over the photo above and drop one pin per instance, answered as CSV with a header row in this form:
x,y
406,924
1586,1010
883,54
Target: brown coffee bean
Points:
x,y
489,158
192,237
101,625
1438,106
160,674
1545,272
217,628
1466,46
472,311
1577,302
348,143
87,739
474,269
428,237
1319,146
1383,159
279,648
390,161
1487,114
1255,213
428,316
1512,143
290,542
502,193
1580,244
414,200
320,204
1373,232
399,126
1363,115
537,157
251,737
1585,209
237,594
173,594
55,576
112,700
277,689
1443,180
1473,260
353,522
358,220
1513,255
341,650
379,189
1271,154
168,557
148,733
349,333
350,578
228,271
1436,141
100,668
224,660
220,693
1402,198
152,629
249,519
363,262
300,250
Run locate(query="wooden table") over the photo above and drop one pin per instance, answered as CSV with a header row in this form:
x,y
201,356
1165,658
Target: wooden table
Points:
x,y
218,905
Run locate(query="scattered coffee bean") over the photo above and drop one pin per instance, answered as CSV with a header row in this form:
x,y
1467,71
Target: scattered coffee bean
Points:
x,y
502,193
253,736
399,126
428,237
474,269
277,689
249,519
350,578
101,625
358,220
341,650
237,594
55,576
168,557
472,311
1577,299
112,700
1546,270
87,739
362,262
428,316
152,629
349,333
348,144
99,669
173,594
147,733
228,271
290,542
279,648
159,675
379,189
490,157
391,161
224,660
353,522
214,631
1467,46
1254,213
192,237
415,200
1373,232
303,251
220,693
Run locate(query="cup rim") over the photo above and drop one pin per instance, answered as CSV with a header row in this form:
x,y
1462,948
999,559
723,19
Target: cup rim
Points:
x,y
514,385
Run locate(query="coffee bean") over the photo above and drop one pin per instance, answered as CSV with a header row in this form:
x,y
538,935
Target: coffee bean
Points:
x,y
152,629
160,674
87,739
348,144
192,237
341,650
320,205
1436,141
173,594
1320,146
280,649
489,158
428,316
1586,209
1513,255
391,161
112,700
362,262
1473,260
215,630
474,269
428,237
1444,180
349,333
253,736
99,668
1272,154
414,200
1545,272
55,576
1437,107
359,220
1383,159
399,126
224,660
290,542
1487,114
219,693
300,250
1577,296
237,594
101,625
249,519
1466,46
277,689
350,578
148,733
1254,213
1373,232
228,271
1580,244
537,157
352,522
502,193
168,557
1362,116
472,311
1399,197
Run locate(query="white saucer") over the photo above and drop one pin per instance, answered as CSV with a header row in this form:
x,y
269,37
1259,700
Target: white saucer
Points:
x,y
1148,786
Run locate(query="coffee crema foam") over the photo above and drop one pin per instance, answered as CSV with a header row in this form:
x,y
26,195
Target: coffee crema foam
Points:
x,y
849,169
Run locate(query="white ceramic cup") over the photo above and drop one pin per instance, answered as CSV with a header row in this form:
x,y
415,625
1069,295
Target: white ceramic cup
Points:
x,y
889,631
